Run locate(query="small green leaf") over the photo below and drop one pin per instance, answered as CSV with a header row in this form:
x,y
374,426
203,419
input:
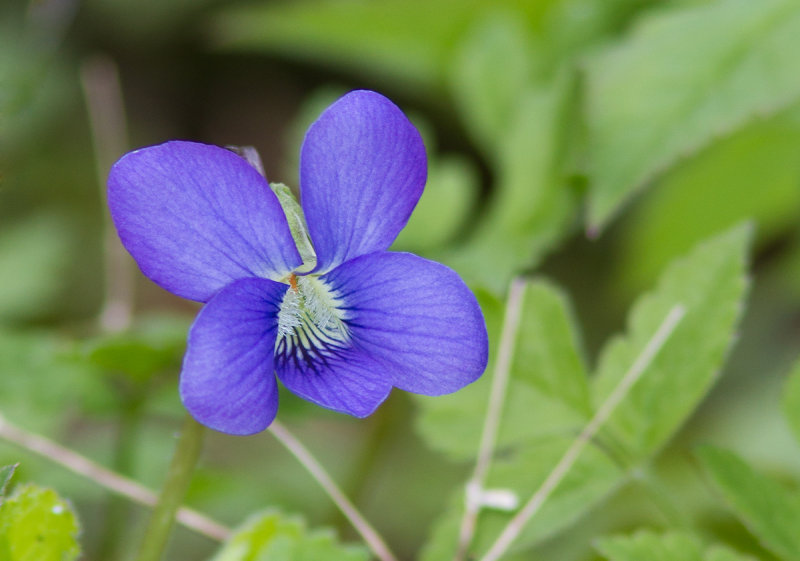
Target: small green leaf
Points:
x,y
791,400
768,509
271,535
646,110
6,472
710,284
672,546
37,525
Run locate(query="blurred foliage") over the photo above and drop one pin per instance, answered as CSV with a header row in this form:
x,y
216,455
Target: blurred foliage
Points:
x,y
608,146
270,535
667,547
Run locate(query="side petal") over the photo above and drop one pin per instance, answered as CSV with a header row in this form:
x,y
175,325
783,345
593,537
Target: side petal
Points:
x,y
196,217
362,171
416,320
228,381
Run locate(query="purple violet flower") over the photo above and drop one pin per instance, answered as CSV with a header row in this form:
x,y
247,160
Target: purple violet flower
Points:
x,y
339,330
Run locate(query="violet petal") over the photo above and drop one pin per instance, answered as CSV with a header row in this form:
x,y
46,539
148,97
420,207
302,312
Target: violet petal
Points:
x,y
415,318
196,217
362,171
228,381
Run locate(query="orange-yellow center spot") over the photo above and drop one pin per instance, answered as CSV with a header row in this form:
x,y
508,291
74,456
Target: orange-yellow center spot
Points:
x,y
293,282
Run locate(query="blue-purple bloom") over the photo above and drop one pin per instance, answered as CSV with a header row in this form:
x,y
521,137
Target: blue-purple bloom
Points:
x,y
202,223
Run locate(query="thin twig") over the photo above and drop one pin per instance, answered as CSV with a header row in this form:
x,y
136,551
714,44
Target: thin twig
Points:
x,y
371,537
516,524
497,397
103,94
110,480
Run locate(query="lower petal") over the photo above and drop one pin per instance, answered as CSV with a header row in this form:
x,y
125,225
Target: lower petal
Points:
x,y
416,321
344,381
228,381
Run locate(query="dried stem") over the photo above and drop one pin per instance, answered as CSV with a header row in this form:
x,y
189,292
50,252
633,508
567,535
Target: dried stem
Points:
x,y
497,396
103,95
371,537
110,480
516,524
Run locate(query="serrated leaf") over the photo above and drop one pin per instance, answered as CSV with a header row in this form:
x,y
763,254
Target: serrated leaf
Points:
x,y
672,546
682,78
710,284
6,472
522,471
768,509
37,525
275,537
548,388
791,400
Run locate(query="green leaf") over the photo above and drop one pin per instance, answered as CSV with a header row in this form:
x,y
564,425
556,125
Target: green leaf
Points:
x,y
406,41
492,71
533,201
681,79
6,472
710,284
672,546
522,471
548,388
750,175
37,525
275,537
768,509
791,400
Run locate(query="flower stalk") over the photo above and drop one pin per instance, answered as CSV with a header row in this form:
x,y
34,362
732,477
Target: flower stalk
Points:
x,y
179,475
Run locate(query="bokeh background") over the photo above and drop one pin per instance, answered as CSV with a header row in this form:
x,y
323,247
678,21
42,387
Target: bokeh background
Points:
x,y
588,141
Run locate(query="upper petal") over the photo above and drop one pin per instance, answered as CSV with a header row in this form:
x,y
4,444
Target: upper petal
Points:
x,y
227,381
196,217
362,171
416,319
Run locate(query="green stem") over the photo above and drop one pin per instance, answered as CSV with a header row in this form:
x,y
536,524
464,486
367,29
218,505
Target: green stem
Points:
x,y
179,475
117,508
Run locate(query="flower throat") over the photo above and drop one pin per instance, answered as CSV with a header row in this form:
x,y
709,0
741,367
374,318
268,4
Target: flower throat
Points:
x,y
310,323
